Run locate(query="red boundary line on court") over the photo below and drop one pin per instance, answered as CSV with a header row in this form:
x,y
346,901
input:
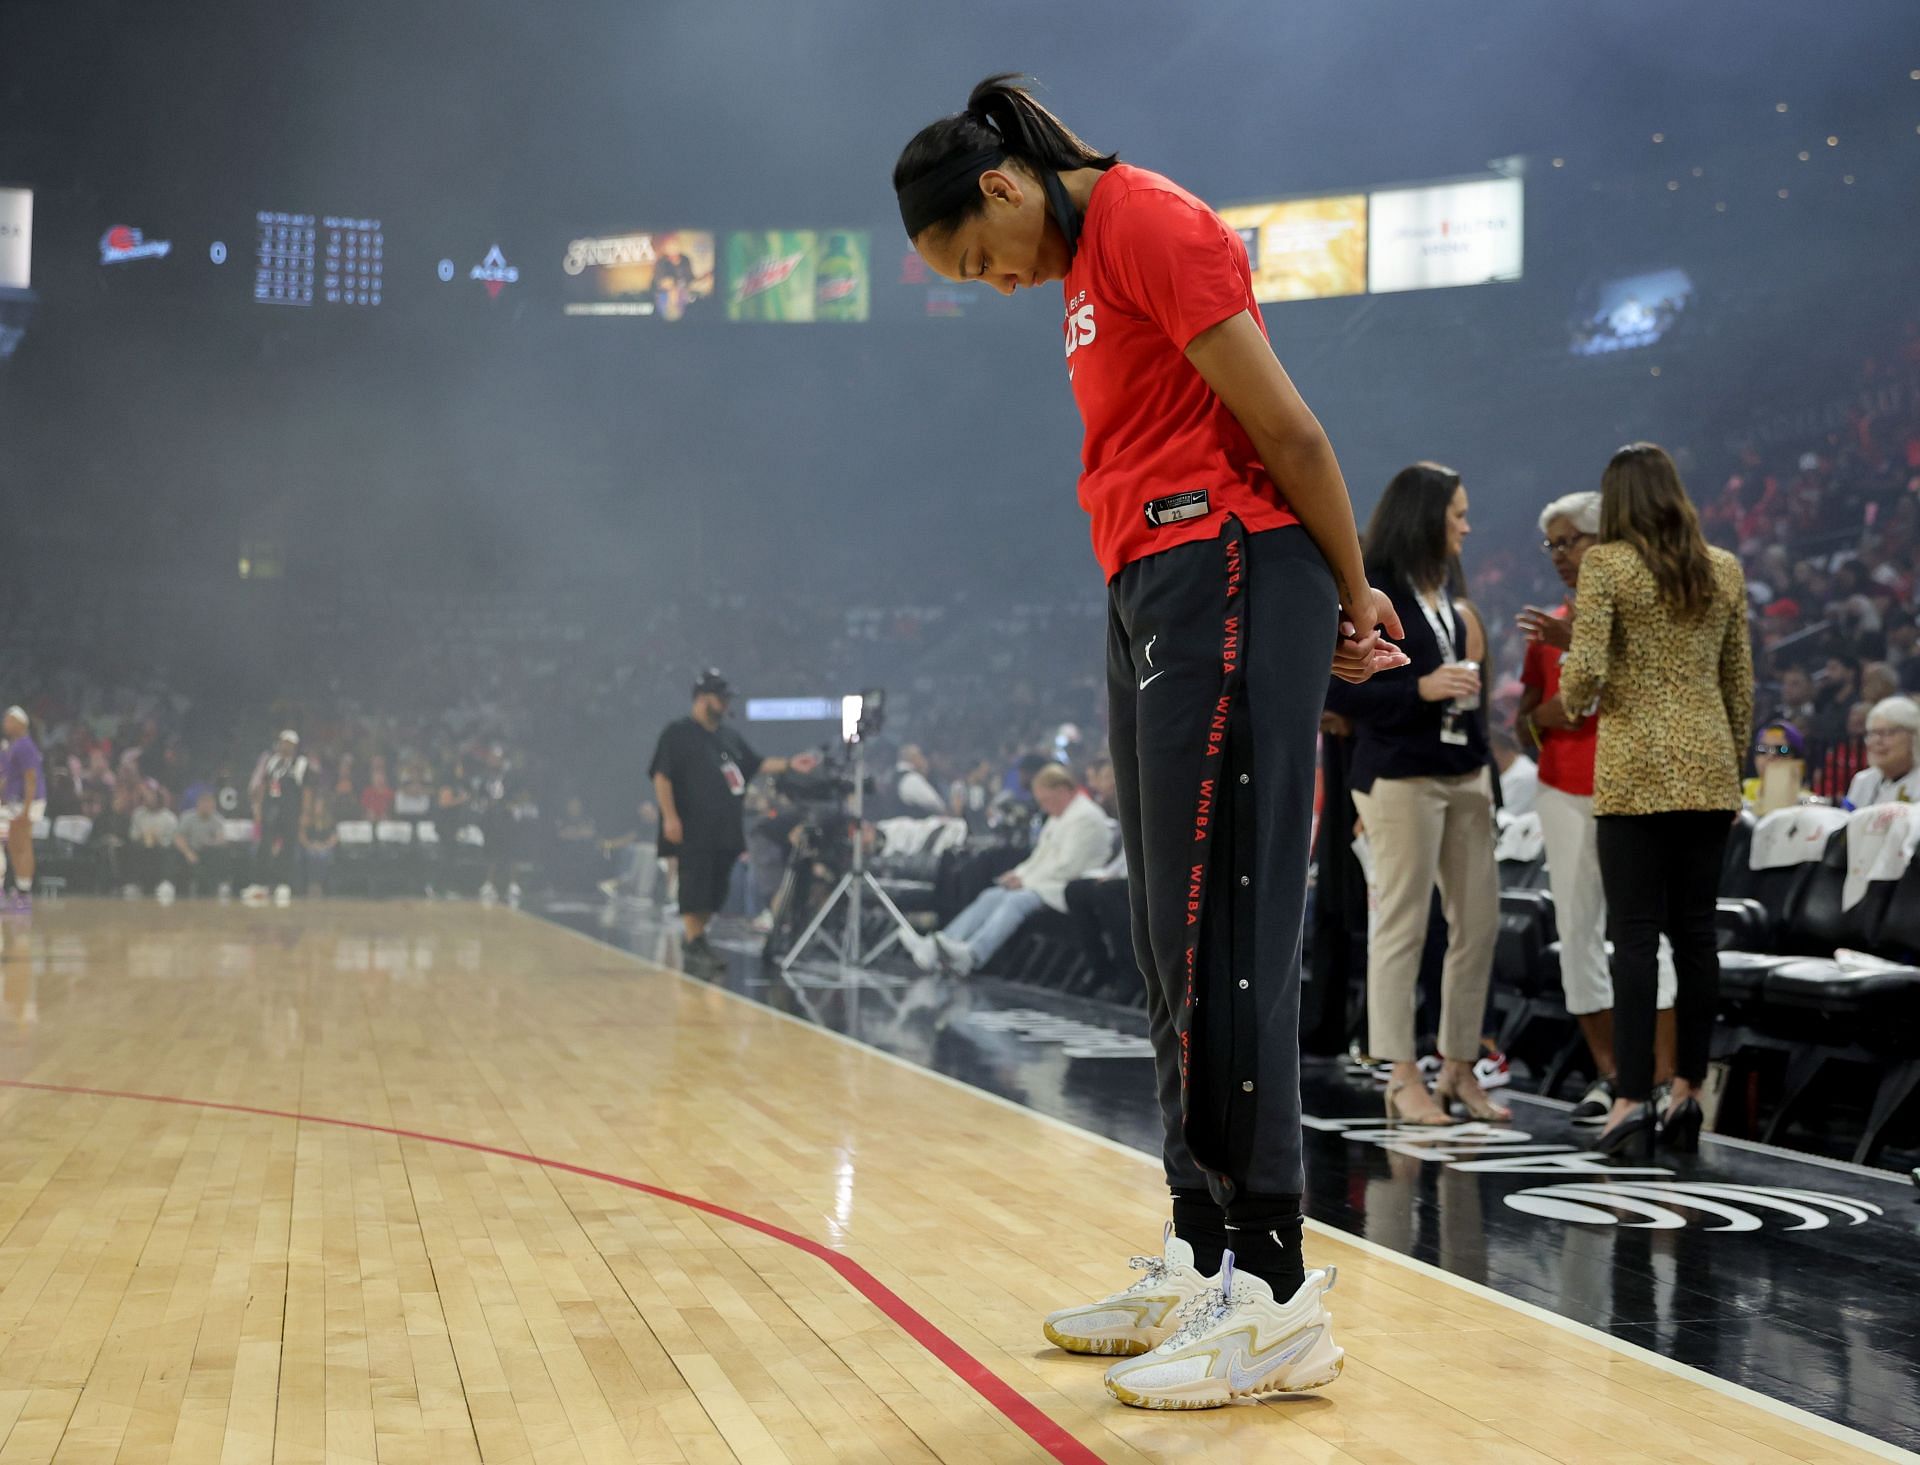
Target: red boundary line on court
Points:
x,y
1044,1431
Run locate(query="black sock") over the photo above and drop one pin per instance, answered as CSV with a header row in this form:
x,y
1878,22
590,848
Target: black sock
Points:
x,y
1264,1234
1198,1221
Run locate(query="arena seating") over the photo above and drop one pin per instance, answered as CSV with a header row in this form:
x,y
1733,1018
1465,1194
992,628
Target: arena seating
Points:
x,y
1815,997
393,858
1818,1001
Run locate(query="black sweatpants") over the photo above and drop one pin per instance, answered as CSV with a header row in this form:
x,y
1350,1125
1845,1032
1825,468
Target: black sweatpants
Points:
x,y
1662,874
1102,915
1218,654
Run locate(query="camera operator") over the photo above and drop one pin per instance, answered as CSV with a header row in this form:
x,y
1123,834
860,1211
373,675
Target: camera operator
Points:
x,y
701,769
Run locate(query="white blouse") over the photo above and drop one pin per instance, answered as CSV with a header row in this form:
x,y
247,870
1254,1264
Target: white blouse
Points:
x,y
1871,786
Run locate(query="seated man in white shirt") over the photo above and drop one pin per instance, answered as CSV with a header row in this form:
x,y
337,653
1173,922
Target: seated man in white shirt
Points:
x,y
1075,839
1519,775
1891,775
913,788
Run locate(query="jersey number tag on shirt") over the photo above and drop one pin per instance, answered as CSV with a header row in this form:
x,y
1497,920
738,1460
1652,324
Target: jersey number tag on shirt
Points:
x,y
1178,507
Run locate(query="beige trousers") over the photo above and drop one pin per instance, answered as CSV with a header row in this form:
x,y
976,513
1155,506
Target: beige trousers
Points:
x,y
1423,832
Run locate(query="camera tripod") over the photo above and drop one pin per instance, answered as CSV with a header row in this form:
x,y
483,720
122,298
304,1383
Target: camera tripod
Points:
x,y
851,889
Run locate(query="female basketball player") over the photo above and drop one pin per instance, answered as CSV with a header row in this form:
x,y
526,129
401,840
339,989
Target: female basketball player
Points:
x,y
1234,581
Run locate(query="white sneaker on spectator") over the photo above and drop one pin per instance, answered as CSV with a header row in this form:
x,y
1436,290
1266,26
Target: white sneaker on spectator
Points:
x,y
226,890
1492,1071
925,954
254,895
956,956
610,889
763,923
164,892
513,892
488,895
129,891
283,895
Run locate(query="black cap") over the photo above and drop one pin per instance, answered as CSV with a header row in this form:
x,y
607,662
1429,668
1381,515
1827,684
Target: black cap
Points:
x,y
712,681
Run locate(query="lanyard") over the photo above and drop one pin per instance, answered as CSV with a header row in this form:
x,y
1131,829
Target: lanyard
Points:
x,y
1439,614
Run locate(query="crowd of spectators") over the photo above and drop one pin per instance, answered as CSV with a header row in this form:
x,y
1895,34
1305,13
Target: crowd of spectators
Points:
x,y
526,718
505,718
1827,529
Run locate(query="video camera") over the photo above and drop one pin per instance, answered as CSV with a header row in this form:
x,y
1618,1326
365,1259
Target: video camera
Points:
x,y
830,783
825,800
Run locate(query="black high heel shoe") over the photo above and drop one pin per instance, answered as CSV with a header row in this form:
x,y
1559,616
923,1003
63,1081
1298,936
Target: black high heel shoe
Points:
x,y
1639,1125
1680,1130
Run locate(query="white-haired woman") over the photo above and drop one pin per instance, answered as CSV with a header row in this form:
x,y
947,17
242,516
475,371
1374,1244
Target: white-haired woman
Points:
x,y
1890,776
1569,525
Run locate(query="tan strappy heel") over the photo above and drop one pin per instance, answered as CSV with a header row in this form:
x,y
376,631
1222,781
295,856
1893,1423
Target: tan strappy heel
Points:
x,y
1431,1121
1477,1105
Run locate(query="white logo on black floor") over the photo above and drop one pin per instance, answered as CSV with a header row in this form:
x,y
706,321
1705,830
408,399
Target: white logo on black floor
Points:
x,y
1596,1191
1665,1205
1079,1039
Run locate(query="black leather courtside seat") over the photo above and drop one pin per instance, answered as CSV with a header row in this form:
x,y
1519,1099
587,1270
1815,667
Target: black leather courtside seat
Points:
x,y
1816,923
1860,1014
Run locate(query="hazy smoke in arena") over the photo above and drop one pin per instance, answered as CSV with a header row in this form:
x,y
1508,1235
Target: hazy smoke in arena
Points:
x,y
161,419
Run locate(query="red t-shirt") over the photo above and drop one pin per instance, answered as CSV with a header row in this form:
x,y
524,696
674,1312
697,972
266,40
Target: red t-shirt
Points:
x,y
1155,268
1566,754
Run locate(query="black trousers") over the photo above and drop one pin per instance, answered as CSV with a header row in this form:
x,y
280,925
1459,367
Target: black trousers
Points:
x,y
1218,654
1102,916
276,858
1662,874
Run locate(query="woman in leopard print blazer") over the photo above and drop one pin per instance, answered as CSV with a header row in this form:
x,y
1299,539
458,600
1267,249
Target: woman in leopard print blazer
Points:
x,y
1661,645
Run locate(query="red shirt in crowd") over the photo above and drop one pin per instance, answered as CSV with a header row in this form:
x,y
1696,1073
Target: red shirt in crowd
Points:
x,y
1155,268
1566,754
377,800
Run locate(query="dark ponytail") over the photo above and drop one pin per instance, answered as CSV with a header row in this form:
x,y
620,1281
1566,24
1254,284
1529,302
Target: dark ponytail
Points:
x,y
937,177
1406,538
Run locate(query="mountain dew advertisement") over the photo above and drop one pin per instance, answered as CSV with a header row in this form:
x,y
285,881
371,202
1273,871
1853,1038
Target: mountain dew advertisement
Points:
x,y
798,275
843,280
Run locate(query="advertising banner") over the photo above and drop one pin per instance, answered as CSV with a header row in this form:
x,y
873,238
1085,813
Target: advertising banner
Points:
x,y
843,280
16,238
799,275
1448,234
668,276
1304,248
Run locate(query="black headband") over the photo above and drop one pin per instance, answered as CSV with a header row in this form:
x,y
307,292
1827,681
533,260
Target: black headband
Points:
x,y
931,197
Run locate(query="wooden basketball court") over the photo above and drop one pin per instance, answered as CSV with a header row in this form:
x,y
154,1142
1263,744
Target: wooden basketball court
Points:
x,y
419,1183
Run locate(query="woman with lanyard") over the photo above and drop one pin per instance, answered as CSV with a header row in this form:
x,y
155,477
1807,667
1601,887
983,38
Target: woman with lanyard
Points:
x,y
1423,786
1234,578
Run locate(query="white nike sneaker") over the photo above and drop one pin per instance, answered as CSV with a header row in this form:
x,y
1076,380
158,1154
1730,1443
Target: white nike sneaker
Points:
x,y
1235,1341
921,949
1134,1319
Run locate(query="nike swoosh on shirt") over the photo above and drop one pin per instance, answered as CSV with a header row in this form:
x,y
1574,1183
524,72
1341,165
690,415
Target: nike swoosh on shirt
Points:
x,y
1154,678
